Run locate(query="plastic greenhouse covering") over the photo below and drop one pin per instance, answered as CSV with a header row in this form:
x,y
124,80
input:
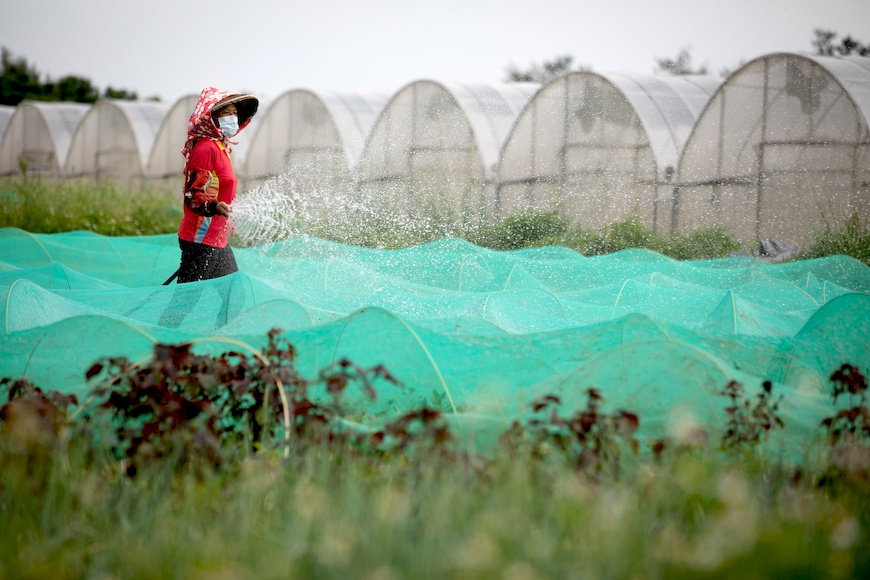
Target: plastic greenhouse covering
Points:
x,y
434,149
778,150
6,113
598,148
243,141
38,137
475,332
782,149
114,139
310,141
165,160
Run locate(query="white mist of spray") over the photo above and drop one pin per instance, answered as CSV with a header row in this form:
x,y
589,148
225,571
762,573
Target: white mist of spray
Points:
x,y
308,200
264,214
284,204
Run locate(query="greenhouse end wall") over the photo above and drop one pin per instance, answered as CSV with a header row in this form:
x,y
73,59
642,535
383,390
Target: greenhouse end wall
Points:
x,y
780,152
433,152
599,148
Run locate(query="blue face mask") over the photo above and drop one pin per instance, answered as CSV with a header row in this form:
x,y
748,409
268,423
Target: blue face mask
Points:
x,y
229,125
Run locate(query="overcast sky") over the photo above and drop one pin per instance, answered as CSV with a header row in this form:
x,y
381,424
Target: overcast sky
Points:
x,y
172,48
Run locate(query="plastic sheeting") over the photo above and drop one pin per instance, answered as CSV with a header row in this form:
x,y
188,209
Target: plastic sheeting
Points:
x,y
598,148
6,113
114,140
38,138
165,160
782,150
434,149
308,144
475,332
319,131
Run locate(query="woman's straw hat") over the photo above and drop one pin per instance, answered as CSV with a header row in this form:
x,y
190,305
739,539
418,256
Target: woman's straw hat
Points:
x,y
246,105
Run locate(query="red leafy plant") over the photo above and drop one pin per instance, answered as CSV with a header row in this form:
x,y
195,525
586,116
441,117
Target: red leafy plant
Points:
x,y
749,423
849,429
32,426
589,439
421,428
197,407
32,418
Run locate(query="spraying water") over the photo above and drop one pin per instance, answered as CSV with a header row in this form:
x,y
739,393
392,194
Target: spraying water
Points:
x,y
285,205
265,213
304,199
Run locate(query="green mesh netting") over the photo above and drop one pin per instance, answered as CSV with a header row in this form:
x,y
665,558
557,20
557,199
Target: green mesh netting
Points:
x,y
475,332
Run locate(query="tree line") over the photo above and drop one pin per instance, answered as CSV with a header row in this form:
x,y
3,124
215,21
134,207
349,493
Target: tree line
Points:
x,y
21,80
825,42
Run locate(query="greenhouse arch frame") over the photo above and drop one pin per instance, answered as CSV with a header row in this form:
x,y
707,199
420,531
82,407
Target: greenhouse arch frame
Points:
x,y
781,152
38,136
165,160
434,149
308,142
114,140
597,148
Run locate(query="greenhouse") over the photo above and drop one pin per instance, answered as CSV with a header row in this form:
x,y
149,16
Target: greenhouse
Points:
x,y
781,150
165,160
311,140
38,137
434,149
6,113
114,140
598,148
240,145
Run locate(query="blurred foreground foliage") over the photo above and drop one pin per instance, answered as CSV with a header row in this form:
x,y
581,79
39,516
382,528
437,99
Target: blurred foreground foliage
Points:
x,y
158,474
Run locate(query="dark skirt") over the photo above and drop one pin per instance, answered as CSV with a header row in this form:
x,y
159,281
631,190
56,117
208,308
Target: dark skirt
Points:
x,y
201,262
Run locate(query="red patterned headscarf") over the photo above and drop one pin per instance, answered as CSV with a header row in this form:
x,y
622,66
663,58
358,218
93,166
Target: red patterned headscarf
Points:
x,y
201,125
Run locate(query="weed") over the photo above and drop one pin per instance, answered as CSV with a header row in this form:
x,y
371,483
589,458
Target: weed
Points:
x,y
32,424
530,229
396,494
852,239
188,405
423,427
527,229
710,243
849,429
588,439
748,424
31,417
630,233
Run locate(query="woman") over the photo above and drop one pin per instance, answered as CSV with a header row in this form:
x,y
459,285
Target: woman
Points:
x,y
210,183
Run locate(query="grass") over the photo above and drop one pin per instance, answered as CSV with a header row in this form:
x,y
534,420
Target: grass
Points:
x,y
330,515
47,206
524,230
853,239
629,233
